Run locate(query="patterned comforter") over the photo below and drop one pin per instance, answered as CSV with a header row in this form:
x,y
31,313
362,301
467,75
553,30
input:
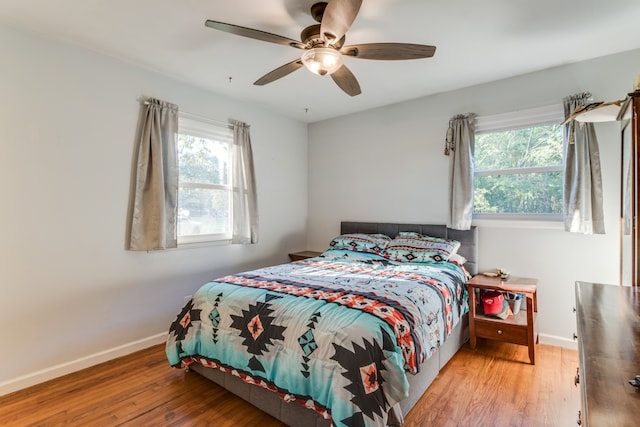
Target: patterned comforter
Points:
x,y
336,333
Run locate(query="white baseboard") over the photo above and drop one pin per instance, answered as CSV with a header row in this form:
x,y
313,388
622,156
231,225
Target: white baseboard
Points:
x,y
47,374
557,341
29,380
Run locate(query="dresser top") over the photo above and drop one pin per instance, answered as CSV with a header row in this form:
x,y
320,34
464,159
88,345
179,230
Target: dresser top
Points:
x,y
608,319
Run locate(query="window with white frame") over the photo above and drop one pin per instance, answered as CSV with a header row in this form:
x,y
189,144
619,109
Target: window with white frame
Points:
x,y
204,191
519,165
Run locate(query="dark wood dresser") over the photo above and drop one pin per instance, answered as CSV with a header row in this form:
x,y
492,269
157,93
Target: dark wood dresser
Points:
x,y
608,320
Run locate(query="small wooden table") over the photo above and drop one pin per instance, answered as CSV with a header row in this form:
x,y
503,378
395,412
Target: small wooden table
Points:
x,y
297,256
518,329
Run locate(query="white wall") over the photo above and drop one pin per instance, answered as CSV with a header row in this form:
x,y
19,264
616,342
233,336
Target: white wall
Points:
x,y
387,164
69,291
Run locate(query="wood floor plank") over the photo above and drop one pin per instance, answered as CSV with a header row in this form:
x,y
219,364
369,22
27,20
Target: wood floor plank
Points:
x,y
493,385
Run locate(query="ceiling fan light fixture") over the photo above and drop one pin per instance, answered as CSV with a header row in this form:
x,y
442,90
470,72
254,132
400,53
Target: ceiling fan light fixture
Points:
x,y
322,60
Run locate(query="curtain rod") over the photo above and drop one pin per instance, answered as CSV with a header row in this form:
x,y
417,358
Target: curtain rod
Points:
x,y
195,116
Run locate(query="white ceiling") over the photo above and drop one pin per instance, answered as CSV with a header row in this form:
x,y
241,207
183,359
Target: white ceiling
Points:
x,y
477,42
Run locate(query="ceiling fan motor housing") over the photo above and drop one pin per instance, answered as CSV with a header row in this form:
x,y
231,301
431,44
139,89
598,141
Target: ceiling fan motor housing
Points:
x,y
317,10
310,36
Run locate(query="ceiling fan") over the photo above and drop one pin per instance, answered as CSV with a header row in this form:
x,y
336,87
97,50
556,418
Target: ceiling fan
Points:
x,y
323,45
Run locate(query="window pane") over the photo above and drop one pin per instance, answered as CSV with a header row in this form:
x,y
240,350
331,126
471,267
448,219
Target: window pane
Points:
x,y
519,148
533,193
203,211
203,160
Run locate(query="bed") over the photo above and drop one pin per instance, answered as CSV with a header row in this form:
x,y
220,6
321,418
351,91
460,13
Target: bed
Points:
x,y
352,337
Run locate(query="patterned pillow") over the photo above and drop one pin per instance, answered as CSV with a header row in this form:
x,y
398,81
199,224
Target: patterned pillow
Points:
x,y
457,259
359,242
455,245
413,247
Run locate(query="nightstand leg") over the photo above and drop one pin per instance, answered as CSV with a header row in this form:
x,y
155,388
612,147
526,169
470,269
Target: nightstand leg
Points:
x,y
472,316
531,328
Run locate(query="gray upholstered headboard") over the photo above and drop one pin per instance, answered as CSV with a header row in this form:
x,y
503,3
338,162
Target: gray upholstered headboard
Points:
x,y
468,238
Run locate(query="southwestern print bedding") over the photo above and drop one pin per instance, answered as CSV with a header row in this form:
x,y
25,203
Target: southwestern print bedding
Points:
x,y
336,333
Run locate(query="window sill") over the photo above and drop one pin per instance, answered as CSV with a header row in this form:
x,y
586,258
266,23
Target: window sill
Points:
x,y
519,223
185,243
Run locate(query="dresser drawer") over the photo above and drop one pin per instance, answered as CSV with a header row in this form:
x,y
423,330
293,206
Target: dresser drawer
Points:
x,y
496,330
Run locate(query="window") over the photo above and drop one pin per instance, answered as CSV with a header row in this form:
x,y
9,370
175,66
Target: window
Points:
x,y
519,166
204,190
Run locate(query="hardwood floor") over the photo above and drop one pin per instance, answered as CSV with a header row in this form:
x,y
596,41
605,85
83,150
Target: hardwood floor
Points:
x,y
496,386
491,386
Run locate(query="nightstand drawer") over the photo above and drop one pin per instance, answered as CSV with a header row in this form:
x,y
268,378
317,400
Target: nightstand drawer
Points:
x,y
496,330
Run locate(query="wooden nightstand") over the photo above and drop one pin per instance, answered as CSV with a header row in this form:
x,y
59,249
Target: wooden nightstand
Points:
x,y
297,256
518,329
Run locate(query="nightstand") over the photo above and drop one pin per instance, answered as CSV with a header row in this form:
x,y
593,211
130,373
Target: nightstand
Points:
x,y
297,256
518,329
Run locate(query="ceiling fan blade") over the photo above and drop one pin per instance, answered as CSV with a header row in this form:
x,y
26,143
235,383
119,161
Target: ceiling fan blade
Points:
x,y
253,34
389,51
345,79
337,19
279,72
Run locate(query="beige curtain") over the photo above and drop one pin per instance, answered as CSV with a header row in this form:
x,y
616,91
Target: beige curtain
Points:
x,y
245,205
154,193
460,149
583,202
